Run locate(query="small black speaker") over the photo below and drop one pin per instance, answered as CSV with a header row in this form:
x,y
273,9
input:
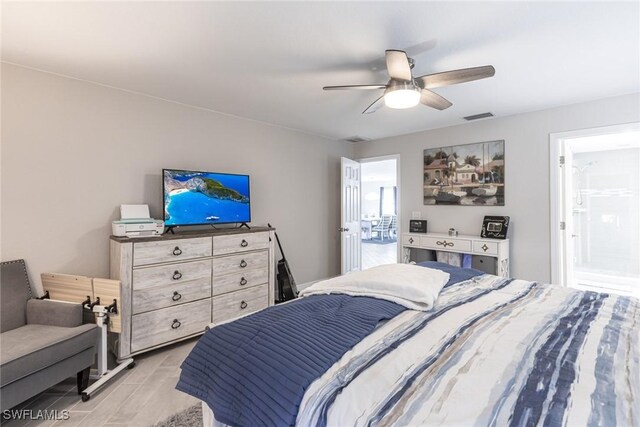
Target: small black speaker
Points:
x,y
417,226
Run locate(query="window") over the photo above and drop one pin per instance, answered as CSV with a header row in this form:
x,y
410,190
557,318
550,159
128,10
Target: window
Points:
x,y
388,200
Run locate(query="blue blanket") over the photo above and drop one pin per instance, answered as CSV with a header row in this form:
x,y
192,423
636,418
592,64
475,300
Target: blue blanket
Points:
x,y
456,274
255,370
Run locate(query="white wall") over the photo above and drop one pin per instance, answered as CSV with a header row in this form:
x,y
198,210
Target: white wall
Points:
x,y
527,173
72,152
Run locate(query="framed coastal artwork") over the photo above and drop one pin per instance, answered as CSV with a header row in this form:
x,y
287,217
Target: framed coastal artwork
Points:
x,y
465,175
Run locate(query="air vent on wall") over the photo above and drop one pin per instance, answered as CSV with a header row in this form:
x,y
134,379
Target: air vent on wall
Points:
x,y
478,116
357,139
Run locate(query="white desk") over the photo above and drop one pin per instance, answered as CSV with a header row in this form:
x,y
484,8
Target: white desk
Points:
x,y
498,249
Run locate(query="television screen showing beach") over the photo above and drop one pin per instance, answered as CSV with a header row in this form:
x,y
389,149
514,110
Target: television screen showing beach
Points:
x,y
205,198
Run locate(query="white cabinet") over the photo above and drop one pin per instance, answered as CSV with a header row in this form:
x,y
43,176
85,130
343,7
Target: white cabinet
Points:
x,y
174,286
497,249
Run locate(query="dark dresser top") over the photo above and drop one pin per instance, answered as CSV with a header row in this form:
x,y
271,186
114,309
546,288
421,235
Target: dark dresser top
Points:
x,y
186,234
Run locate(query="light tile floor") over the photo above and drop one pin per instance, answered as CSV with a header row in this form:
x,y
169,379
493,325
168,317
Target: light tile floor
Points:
x,y
374,254
142,396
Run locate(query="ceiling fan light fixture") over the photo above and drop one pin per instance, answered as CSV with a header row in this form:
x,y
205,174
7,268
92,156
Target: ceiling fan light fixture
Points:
x,y
404,91
402,96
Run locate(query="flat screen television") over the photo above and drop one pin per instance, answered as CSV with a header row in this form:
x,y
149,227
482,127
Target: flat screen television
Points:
x,y
198,198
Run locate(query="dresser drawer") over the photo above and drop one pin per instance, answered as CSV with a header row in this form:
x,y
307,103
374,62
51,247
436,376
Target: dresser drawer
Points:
x,y
445,243
239,303
170,250
240,263
169,295
242,280
240,242
168,324
170,274
411,240
488,248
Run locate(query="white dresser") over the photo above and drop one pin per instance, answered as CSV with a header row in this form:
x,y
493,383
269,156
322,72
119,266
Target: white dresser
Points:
x,y
497,249
175,285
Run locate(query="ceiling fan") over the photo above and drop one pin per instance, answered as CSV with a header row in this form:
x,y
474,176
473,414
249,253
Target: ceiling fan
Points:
x,y
405,91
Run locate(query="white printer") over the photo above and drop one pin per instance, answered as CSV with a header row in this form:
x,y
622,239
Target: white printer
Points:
x,y
135,221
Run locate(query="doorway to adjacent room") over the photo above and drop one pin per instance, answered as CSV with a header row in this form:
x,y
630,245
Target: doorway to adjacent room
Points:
x,y
595,195
379,211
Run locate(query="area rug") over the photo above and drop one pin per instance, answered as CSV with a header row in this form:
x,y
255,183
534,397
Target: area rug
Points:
x,y
378,241
190,417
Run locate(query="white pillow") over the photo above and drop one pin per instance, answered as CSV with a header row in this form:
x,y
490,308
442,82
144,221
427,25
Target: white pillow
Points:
x,y
412,286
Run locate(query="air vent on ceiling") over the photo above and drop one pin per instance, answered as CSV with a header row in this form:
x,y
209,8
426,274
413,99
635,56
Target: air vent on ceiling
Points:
x,y
478,116
357,139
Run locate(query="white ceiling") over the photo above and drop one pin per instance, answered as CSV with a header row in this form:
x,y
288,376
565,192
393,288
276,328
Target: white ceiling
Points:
x,y
382,170
268,61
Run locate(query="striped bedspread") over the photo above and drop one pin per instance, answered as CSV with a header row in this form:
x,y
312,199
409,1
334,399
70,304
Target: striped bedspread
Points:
x,y
492,352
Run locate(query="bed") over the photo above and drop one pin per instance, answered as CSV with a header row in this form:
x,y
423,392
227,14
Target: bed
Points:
x,y
473,349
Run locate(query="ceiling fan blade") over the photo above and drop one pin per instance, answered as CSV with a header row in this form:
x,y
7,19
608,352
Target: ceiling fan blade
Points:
x,y
374,106
355,87
433,100
398,65
453,77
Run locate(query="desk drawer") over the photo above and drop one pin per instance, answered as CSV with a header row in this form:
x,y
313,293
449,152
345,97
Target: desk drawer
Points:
x,y
485,248
168,324
145,253
413,241
446,244
242,280
240,242
171,274
240,263
162,296
235,304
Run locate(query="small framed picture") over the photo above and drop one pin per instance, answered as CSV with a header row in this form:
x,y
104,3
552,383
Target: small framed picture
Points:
x,y
495,227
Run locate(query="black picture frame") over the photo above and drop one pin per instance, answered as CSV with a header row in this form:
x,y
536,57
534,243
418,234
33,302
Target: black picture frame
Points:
x,y
417,226
495,227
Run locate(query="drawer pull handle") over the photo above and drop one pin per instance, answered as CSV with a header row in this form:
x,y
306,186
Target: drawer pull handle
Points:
x,y
244,243
444,243
176,296
410,239
177,251
243,281
243,264
243,305
176,275
176,324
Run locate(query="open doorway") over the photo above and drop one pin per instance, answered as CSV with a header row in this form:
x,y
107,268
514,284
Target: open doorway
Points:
x,y
596,195
379,211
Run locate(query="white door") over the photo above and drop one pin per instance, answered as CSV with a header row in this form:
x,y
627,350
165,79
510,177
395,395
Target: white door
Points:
x,y
350,215
567,226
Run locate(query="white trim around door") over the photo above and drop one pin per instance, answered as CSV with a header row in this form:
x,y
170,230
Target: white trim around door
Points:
x,y
559,158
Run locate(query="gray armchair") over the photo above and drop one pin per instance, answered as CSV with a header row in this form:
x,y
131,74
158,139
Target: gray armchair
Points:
x,y
43,342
